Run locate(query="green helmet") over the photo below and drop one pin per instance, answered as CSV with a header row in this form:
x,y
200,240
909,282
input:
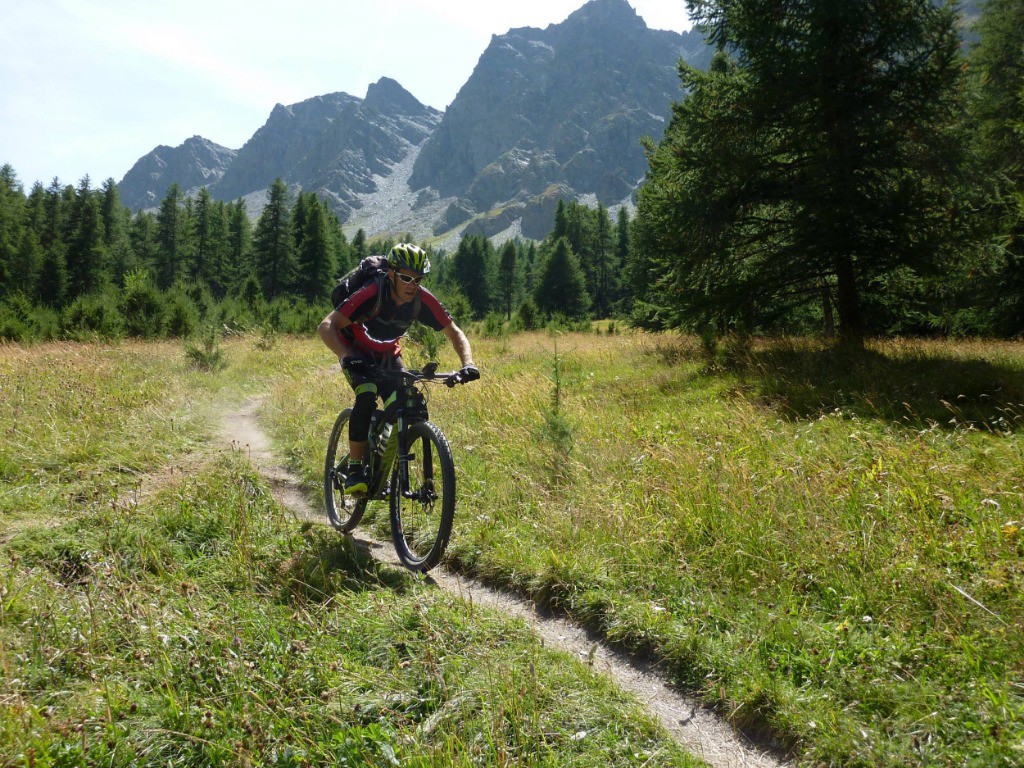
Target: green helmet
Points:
x,y
409,256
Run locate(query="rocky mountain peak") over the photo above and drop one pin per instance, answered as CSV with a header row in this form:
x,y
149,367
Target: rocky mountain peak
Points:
x,y
196,162
546,113
564,107
614,12
387,96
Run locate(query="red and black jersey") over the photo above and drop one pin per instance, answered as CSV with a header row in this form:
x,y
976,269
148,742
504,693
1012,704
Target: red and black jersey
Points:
x,y
393,320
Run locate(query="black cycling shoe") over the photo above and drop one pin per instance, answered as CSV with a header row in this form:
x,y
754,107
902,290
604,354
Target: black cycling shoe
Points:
x,y
357,482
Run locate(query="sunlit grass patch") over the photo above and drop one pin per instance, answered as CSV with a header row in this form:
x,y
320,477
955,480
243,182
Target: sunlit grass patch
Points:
x,y
824,543
203,627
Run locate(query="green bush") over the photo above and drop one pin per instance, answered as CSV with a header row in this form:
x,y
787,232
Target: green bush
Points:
x,y
12,327
293,315
527,316
494,326
93,315
235,314
206,354
142,306
23,321
182,317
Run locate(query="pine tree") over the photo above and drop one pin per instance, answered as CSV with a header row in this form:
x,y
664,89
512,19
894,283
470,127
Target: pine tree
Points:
x,y
561,287
471,270
210,264
821,158
27,264
240,264
315,258
170,239
529,268
142,236
85,248
12,216
998,117
603,258
113,214
274,244
55,215
359,250
52,286
507,276
623,297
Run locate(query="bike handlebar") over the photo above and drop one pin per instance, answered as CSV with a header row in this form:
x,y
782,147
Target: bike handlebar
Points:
x,y
429,373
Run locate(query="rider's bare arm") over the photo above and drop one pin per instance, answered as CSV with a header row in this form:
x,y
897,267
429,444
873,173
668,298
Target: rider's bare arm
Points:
x,y
330,332
459,342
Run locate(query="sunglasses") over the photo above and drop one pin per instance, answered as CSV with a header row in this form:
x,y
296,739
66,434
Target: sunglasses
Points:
x,y
407,279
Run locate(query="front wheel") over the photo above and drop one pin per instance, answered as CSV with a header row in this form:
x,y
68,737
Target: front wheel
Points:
x,y
343,512
423,509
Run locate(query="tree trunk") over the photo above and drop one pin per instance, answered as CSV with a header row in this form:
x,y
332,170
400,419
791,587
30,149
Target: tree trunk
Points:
x,y
851,330
826,310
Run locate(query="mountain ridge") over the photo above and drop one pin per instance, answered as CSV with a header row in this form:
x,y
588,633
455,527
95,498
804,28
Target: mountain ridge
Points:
x,y
546,113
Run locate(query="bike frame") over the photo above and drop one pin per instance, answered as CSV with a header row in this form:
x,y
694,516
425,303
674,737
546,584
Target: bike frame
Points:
x,y
410,408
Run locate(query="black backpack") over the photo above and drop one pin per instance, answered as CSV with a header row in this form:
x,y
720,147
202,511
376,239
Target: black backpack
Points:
x,y
370,268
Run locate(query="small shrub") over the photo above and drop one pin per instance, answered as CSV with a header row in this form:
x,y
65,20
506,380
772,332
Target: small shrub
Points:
x,y
12,327
494,326
428,339
527,315
141,305
182,317
458,306
93,315
206,354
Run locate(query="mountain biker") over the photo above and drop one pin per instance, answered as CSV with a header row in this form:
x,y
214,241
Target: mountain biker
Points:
x,y
363,342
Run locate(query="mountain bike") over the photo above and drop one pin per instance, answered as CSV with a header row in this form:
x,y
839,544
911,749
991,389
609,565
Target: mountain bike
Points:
x,y
409,463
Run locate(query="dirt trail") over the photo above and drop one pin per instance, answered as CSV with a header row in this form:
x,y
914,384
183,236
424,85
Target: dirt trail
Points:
x,y
697,730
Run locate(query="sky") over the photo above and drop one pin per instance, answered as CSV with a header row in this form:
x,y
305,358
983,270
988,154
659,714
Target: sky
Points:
x,y
87,87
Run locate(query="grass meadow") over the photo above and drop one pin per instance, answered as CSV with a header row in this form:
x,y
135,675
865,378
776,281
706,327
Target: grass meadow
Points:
x,y
158,607
824,545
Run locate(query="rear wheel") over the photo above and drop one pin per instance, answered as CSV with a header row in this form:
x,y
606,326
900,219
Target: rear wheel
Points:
x,y
421,518
343,512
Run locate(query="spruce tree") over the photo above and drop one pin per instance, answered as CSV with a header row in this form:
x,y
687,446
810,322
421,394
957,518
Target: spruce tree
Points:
x,y
471,270
113,214
316,261
820,159
170,239
507,276
561,286
274,244
997,62
12,215
27,265
603,257
623,296
359,249
85,248
239,264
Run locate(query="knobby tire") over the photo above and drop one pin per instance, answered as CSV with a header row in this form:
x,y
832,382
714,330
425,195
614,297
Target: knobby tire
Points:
x,y
343,512
421,526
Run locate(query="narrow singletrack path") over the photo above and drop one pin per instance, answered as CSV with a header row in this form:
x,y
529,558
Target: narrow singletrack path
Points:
x,y
699,731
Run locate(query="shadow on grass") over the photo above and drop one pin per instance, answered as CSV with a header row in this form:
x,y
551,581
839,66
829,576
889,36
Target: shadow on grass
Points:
x,y
921,385
329,563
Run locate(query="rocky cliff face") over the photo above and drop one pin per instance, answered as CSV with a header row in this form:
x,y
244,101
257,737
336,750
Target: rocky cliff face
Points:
x,y
334,145
556,112
549,113
197,163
